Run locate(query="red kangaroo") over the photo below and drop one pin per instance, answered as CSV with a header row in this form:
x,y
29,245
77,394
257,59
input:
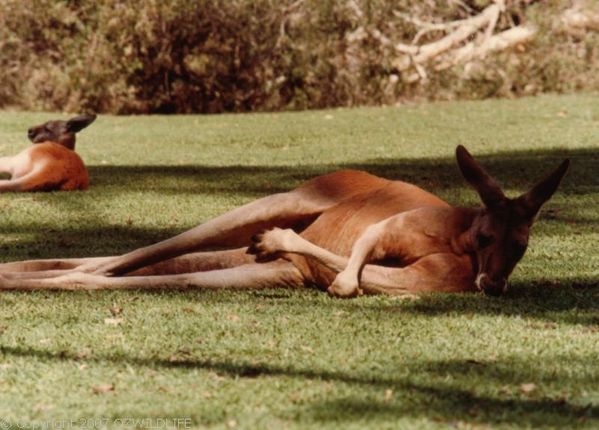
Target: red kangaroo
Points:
x,y
348,232
51,164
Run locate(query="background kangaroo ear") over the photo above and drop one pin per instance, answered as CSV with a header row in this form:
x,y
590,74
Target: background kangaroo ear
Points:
x,y
543,190
486,187
78,123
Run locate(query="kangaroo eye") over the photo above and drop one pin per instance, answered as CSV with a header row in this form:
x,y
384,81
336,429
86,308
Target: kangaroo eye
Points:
x,y
483,240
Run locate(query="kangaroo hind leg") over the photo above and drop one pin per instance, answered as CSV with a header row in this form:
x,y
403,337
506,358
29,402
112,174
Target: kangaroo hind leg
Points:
x,y
295,209
248,276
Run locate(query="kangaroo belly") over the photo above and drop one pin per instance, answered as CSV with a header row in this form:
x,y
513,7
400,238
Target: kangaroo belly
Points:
x,y
20,164
337,228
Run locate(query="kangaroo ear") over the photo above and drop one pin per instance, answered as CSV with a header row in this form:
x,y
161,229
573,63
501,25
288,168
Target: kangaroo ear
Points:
x,y
481,181
532,201
78,123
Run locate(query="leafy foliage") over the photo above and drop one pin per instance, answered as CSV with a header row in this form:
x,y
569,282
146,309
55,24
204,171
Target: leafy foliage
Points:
x,y
134,56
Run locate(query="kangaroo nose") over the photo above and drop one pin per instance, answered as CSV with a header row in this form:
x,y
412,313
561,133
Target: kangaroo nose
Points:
x,y
30,133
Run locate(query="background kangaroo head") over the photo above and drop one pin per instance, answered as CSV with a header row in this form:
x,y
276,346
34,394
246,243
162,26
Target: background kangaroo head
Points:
x,y
61,132
499,232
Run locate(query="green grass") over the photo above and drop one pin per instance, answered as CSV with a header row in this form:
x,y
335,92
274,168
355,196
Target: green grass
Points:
x,y
296,358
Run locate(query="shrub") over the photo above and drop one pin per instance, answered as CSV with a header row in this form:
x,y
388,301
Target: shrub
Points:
x,y
136,56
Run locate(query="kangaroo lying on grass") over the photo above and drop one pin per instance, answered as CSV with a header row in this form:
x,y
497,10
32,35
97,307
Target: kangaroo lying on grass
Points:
x,y
400,239
51,164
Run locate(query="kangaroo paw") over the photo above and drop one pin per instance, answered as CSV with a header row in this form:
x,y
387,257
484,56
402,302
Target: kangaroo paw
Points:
x,y
267,245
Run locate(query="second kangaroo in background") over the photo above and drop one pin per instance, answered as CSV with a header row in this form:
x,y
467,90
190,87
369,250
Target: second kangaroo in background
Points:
x,y
51,164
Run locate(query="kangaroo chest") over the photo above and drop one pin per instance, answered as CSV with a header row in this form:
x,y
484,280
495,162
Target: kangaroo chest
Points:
x,y
338,227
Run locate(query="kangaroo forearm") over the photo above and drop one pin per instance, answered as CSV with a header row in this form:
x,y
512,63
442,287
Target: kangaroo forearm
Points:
x,y
364,248
332,261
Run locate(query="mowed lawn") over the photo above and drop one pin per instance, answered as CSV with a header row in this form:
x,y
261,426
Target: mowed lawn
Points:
x,y
297,358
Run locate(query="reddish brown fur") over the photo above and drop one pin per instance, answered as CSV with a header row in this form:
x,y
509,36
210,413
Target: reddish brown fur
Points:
x,y
338,228
63,169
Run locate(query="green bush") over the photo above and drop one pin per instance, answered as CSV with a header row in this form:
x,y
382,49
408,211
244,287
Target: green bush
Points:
x,y
141,56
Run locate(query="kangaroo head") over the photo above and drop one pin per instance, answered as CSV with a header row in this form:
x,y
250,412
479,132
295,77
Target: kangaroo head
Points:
x,y
61,132
499,232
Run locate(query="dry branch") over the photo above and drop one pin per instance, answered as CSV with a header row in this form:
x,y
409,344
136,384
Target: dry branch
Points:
x,y
465,40
426,27
498,42
424,53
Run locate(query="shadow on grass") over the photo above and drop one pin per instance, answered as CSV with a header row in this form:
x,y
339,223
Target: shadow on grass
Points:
x,y
543,306
569,301
453,405
515,169
103,239
566,301
446,398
